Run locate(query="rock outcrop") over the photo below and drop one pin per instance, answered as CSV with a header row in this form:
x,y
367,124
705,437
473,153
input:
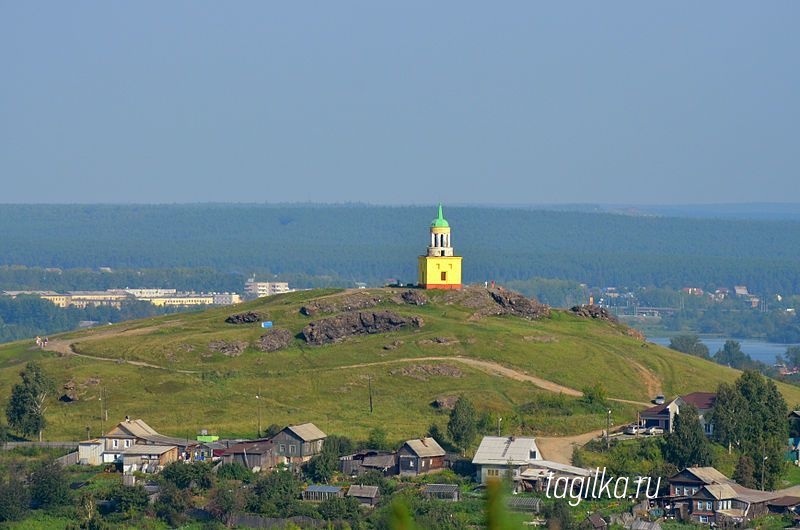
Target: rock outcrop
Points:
x,y
593,311
229,348
273,340
414,297
513,303
245,318
353,302
340,327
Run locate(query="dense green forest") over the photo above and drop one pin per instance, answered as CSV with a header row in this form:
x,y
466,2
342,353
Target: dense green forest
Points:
x,y
347,243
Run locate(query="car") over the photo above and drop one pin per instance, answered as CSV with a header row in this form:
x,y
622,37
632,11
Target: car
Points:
x,y
659,399
652,431
631,429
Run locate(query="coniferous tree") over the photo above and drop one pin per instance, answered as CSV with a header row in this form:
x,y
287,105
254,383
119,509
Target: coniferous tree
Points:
x,y
687,445
744,472
463,425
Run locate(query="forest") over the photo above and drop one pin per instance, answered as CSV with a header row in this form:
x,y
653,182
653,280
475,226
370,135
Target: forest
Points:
x,y
342,244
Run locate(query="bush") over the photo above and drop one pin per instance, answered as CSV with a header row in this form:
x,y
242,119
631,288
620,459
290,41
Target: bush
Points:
x,y
128,499
13,499
234,471
49,486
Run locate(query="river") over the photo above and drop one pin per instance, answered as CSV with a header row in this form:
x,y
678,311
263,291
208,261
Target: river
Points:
x,y
757,349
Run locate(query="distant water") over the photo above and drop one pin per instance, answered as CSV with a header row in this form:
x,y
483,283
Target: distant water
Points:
x,y
758,350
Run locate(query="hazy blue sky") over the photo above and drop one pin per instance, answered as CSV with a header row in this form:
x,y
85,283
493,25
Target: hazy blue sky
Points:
x,y
514,102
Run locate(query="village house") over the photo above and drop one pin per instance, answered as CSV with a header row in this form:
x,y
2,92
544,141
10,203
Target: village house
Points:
x,y
130,432
255,455
384,462
504,456
663,416
148,458
728,504
367,495
297,444
537,475
419,456
704,495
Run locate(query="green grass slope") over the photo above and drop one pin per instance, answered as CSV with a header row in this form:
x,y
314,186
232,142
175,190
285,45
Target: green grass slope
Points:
x,y
188,386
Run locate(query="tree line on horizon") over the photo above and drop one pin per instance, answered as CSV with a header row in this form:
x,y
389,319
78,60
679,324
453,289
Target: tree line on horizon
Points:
x,y
350,243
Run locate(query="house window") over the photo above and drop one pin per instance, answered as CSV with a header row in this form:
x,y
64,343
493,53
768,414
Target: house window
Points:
x,y
708,506
694,490
699,505
703,518
423,463
444,276
492,472
127,443
283,448
533,455
115,444
292,449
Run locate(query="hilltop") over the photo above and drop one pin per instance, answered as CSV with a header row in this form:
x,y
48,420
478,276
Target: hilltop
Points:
x,y
513,358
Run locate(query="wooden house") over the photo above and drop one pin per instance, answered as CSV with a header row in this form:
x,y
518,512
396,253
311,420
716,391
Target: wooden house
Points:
x,y
130,432
356,464
148,458
297,444
256,455
420,456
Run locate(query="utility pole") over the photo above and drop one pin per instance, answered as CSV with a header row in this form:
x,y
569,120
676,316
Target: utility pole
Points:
x,y
499,419
369,384
258,405
608,428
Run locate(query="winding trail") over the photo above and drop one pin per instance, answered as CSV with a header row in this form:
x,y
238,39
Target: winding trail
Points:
x,y
493,368
67,348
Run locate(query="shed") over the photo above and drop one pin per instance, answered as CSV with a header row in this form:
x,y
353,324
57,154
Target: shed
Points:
x,y
367,495
319,492
90,453
446,492
595,522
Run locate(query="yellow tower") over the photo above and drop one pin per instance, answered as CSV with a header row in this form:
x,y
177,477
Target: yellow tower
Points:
x,y
440,269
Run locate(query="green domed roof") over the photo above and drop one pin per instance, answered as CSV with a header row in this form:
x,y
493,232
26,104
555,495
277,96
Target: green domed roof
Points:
x,y
440,222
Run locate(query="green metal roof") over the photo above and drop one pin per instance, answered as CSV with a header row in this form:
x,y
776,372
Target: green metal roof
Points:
x,y
440,222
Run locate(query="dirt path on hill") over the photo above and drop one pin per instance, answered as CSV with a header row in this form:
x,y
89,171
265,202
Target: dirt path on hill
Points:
x,y
66,348
559,449
650,381
497,369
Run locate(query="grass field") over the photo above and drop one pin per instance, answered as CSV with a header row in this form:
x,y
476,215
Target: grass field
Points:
x,y
329,384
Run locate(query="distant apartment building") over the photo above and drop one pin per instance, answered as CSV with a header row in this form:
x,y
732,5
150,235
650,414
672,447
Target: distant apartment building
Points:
x,y
148,293
84,299
180,299
254,289
226,298
115,297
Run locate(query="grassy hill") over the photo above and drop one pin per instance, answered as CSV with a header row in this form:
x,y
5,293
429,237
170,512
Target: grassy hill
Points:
x,y
164,370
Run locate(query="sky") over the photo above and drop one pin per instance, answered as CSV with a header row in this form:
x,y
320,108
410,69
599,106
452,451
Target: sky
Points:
x,y
403,103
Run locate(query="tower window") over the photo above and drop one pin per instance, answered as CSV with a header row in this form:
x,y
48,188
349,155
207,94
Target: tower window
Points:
x,y
444,276
443,253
